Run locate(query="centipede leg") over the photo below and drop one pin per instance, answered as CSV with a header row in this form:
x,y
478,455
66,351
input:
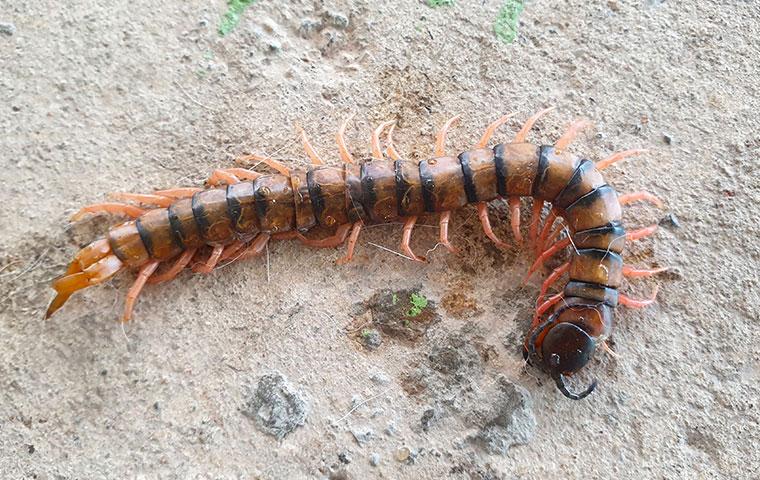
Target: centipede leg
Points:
x,y
377,151
553,300
523,133
632,272
553,277
637,196
641,233
231,176
355,230
313,155
109,207
256,247
492,129
406,237
633,303
176,193
440,138
535,221
616,157
129,304
340,139
253,160
143,198
572,131
211,262
548,224
335,240
545,256
514,218
444,232
486,223
175,269
391,149
231,249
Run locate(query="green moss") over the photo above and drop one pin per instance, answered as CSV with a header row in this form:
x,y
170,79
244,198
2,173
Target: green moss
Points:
x,y
505,26
235,9
440,3
366,333
418,304
394,299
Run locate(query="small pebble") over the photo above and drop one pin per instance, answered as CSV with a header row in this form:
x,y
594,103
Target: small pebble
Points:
x,y
308,27
403,453
7,28
670,220
374,459
336,19
362,434
371,338
344,458
667,138
380,378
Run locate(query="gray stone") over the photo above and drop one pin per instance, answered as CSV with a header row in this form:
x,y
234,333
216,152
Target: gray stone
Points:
x,y
7,28
362,434
275,406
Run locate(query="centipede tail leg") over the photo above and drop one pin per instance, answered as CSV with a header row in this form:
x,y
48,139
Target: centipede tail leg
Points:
x,y
514,218
340,139
492,129
130,211
572,131
406,237
175,269
313,155
640,196
523,133
129,304
98,272
486,223
444,232
352,239
633,303
211,262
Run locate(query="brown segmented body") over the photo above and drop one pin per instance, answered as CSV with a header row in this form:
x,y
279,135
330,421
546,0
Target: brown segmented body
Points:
x,y
383,191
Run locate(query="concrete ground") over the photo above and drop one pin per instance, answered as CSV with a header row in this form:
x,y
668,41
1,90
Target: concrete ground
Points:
x,y
293,367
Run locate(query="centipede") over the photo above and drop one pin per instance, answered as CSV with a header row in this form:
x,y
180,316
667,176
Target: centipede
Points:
x,y
239,210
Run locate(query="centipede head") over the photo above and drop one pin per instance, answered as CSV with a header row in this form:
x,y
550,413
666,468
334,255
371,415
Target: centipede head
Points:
x,y
563,350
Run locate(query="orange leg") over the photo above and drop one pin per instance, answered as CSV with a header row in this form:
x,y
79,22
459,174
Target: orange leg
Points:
x,y
632,272
523,133
89,255
514,217
535,221
313,155
175,269
220,176
98,272
231,249
357,228
553,300
145,272
391,150
252,160
406,237
176,193
551,279
545,231
444,235
546,255
211,262
440,138
340,138
641,233
145,199
332,241
108,207
636,196
256,247
492,129
377,151
572,131
632,303
552,237
486,223
616,157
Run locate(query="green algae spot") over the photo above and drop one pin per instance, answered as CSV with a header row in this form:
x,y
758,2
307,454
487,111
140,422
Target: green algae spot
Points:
x,y
418,304
235,9
439,3
505,26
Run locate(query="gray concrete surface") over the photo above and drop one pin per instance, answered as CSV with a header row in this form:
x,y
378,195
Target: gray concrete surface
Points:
x,y
101,96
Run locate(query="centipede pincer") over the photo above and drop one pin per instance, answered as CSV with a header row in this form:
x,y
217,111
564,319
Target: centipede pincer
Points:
x,y
240,210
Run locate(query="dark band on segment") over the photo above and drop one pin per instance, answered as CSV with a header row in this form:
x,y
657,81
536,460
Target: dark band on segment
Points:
x,y
590,197
315,193
544,152
234,209
564,197
469,183
369,195
145,237
401,187
501,169
199,214
116,249
176,227
592,291
428,186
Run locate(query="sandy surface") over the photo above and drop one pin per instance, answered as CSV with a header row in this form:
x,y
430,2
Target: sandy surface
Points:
x,y
98,98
